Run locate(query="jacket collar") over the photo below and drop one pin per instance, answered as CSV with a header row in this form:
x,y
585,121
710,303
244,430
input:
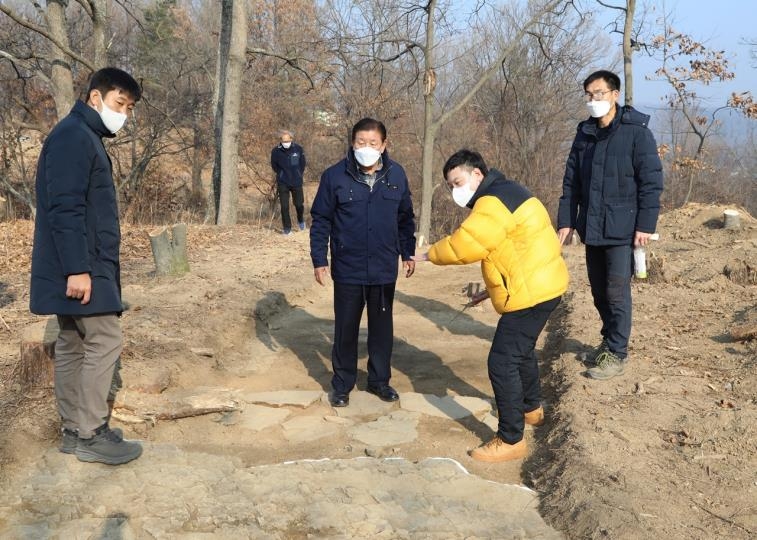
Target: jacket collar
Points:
x,y
492,176
92,118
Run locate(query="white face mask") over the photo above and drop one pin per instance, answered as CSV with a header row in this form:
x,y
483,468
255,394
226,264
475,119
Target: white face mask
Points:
x,y
598,109
367,156
113,120
286,144
462,195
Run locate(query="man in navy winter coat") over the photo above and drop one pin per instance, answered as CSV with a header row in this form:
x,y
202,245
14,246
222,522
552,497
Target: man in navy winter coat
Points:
x,y
288,163
611,196
363,215
75,264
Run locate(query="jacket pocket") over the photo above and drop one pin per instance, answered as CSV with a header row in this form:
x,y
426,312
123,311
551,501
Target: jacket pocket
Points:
x,y
620,220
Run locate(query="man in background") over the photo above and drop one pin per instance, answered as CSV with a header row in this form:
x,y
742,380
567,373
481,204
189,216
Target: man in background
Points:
x,y
288,163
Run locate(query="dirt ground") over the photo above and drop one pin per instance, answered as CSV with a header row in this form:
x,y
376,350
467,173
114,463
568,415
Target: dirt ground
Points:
x,y
668,449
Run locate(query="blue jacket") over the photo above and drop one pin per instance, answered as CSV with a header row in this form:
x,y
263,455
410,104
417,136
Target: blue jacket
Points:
x,y
613,181
76,228
366,229
288,164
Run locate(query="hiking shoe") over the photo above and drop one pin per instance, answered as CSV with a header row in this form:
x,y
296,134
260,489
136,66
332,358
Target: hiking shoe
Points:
x,y
70,438
107,446
286,232
535,417
590,359
498,450
302,225
608,366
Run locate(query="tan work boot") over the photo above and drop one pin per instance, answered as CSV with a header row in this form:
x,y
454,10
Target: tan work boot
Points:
x,y
498,450
535,417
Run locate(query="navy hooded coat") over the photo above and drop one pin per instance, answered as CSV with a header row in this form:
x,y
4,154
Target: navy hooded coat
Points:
x,y
366,230
76,228
613,181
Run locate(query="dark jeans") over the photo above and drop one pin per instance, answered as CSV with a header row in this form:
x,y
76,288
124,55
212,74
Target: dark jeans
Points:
x,y
349,301
610,269
513,370
298,199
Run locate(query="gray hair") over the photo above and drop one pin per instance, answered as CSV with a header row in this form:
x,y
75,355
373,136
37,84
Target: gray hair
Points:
x,y
283,132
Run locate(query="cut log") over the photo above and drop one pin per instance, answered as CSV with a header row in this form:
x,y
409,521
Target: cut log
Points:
x,y
35,367
731,219
170,253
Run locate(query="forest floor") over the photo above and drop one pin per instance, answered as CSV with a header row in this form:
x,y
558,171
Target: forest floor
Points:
x,y
226,369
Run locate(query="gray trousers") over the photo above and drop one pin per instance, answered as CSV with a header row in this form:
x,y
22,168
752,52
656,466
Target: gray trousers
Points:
x,y
85,356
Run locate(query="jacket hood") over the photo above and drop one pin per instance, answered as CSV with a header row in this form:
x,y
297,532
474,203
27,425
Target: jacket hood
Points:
x,y
92,119
492,176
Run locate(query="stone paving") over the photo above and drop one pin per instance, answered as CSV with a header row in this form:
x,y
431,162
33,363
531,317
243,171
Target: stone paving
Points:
x,y
170,493
173,493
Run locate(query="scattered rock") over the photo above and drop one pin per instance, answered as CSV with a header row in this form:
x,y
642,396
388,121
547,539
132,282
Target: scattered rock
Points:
x,y
741,272
203,352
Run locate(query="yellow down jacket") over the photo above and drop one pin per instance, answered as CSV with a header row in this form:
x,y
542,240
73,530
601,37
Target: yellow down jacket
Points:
x,y
510,232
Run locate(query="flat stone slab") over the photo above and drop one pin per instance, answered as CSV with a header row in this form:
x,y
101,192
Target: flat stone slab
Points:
x,y
202,495
283,398
364,404
175,404
308,428
258,418
452,407
397,427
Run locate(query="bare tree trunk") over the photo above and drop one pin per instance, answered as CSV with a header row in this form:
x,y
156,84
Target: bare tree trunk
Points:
x,y
63,83
429,127
99,27
229,111
628,51
197,142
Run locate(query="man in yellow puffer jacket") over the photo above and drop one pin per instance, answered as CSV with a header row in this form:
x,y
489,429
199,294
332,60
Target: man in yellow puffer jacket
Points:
x,y
510,232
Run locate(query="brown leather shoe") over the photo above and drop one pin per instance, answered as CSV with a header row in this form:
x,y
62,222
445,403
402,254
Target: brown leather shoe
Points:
x,y
498,450
535,417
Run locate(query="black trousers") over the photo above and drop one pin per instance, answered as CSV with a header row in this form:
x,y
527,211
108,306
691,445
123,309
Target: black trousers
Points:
x,y
349,301
610,269
513,370
298,198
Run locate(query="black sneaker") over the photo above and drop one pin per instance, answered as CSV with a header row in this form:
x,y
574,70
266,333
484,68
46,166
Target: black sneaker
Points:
x,y
69,440
107,446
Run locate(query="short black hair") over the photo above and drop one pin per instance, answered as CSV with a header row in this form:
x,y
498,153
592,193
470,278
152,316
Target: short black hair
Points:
x,y
612,80
467,159
369,124
110,78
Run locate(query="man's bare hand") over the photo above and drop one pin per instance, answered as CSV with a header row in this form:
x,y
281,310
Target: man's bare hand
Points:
x,y
641,238
320,274
477,298
409,267
79,286
563,234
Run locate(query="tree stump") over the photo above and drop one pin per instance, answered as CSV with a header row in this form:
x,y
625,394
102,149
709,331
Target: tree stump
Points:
x,y
35,367
170,254
731,219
